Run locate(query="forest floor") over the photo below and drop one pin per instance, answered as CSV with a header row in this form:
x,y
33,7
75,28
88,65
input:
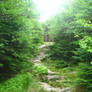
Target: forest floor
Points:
x,y
51,75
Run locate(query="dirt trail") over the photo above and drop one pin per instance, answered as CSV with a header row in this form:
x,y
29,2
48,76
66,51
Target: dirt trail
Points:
x,y
51,75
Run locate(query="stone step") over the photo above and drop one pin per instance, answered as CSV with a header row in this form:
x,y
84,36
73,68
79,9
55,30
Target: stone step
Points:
x,y
42,46
55,77
52,73
64,81
50,88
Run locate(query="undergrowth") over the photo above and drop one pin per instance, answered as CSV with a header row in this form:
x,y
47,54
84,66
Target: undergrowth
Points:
x,y
20,83
77,77
56,66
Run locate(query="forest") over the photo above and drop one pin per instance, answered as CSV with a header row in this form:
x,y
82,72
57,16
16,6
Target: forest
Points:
x,y
30,63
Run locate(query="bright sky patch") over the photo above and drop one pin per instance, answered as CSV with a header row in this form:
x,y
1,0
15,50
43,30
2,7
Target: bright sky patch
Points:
x,y
48,8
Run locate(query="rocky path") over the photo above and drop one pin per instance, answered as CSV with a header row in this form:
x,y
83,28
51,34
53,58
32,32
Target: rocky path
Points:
x,y
51,75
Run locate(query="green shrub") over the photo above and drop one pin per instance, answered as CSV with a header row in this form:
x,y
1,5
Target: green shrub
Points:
x,y
35,87
20,35
20,83
40,70
84,77
72,32
55,63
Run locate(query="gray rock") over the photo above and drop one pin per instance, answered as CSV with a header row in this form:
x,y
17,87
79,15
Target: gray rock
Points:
x,y
50,88
54,77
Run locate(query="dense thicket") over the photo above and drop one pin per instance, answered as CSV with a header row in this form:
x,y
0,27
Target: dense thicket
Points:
x,y
72,32
20,35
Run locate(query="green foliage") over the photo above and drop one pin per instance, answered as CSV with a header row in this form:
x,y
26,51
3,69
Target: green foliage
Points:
x,y
83,77
55,63
56,84
72,32
20,35
40,70
20,83
35,87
